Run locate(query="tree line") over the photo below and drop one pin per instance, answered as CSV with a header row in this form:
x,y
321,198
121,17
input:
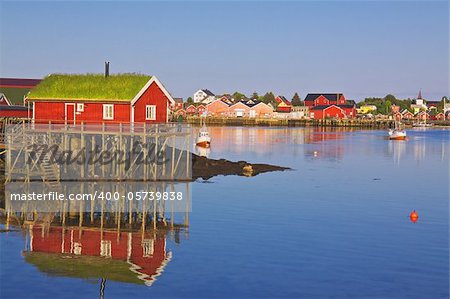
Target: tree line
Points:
x,y
384,105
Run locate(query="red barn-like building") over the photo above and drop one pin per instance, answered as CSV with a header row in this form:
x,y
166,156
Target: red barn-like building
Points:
x,y
178,104
201,109
324,99
283,104
330,105
321,112
191,110
95,98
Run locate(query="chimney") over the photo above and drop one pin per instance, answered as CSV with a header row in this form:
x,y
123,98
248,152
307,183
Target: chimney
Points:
x,y
106,69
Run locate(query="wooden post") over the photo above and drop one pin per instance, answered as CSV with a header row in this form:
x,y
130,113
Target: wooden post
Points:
x,y
82,148
186,219
144,149
173,157
103,148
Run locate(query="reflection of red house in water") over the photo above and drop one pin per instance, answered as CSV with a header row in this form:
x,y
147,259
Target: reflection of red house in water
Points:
x,y
147,256
322,148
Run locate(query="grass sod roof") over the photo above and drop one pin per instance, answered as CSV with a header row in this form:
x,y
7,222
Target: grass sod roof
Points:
x,y
87,267
122,87
14,95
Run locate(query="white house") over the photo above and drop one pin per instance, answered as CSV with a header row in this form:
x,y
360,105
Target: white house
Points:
x,y
204,96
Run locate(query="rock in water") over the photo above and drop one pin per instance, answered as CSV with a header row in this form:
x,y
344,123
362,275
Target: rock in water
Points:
x,y
205,168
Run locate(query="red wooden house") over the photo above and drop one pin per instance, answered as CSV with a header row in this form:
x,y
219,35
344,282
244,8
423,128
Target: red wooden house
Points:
x,y
422,115
440,116
178,104
191,110
406,114
325,111
398,116
180,112
201,109
283,104
323,99
95,98
330,105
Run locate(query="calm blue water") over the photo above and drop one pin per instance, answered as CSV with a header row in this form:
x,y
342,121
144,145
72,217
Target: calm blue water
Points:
x,y
336,226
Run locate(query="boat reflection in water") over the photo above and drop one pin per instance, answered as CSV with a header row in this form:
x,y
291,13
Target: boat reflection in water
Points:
x,y
202,151
111,246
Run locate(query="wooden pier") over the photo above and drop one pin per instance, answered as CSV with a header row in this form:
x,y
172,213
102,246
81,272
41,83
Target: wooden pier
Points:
x,y
118,152
235,121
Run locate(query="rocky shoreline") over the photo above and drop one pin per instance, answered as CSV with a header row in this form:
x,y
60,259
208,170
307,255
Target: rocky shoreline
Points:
x,y
206,168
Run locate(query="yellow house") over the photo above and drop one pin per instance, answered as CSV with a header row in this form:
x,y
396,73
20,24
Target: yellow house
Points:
x,y
417,108
364,109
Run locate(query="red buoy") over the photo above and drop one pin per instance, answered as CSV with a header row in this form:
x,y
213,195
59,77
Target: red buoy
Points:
x,y
414,216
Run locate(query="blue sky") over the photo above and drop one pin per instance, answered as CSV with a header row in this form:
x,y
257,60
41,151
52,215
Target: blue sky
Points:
x,y
359,48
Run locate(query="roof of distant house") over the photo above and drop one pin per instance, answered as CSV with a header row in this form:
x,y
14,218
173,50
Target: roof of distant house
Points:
x,y
346,106
351,102
328,96
283,99
18,82
90,86
13,107
322,107
4,98
178,100
208,92
228,96
250,103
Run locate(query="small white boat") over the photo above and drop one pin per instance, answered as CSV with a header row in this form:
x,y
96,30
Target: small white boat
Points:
x,y
397,133
203,138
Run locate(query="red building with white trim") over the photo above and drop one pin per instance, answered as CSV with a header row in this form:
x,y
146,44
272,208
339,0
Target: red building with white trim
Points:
x,y
329,105
92,99
324,99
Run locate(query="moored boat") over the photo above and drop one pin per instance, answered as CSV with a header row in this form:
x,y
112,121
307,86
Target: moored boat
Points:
x,y
203,138
397,133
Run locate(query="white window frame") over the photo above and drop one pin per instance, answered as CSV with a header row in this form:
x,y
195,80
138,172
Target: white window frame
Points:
x,y
80,107
150,112
105,248
106,111
147,247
